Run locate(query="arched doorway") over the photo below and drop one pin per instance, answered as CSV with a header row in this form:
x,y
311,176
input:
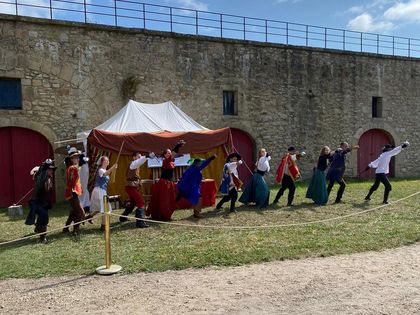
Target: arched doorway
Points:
x,y
245,145
22,149
371,143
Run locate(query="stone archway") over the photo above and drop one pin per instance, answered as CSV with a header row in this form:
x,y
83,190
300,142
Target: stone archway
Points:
x,y
371,143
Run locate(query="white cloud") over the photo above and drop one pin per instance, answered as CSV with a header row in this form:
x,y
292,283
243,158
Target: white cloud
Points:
x,y
193,4
366,23
356,9
404,11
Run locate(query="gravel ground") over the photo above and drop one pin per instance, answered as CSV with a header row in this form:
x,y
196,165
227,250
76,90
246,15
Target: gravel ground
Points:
x,y
385,282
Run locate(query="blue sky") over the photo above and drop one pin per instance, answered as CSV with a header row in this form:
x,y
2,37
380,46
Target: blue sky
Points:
x,y
391,17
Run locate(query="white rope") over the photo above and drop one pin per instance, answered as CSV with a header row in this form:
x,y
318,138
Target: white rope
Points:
x,y
253,227
43,233
250,227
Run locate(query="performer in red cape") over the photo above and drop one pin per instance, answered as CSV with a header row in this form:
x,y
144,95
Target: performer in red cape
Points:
x,y
73,191
287,174
41,200
163,202
132,186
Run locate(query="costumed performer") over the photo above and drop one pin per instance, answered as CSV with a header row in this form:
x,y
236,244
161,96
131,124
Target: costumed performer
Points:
x,y
189,186
132,186
163,202
257,191
230,181
41,200
381,164
287,174
100,188
317,189
73,191
337,168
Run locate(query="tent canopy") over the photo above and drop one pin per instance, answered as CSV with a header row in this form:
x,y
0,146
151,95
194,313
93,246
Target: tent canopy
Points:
x,y
140,117
153,127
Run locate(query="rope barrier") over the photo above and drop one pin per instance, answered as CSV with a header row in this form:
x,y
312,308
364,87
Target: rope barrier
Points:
x,y
250,227
43,233
253,227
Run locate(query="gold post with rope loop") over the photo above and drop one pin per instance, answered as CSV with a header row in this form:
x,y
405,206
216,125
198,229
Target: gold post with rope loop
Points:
x,y
109,268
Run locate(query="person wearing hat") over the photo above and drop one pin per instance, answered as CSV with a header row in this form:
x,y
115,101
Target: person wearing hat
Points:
x,y
41,200
381,166
287,174
190,183
230,181
163,202
337,168
257,191
73,191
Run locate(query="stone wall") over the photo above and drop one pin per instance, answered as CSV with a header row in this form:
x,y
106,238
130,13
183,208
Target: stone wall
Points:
x,y
72,76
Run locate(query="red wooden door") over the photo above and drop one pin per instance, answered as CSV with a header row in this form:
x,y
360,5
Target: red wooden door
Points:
x,y
7,192
371,143
244,145
26,148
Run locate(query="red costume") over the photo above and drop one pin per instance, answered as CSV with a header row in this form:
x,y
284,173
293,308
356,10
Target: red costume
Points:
x,y
163,202
72,193
288,162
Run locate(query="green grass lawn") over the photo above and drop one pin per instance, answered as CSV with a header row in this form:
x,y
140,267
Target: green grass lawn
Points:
x,y
164,247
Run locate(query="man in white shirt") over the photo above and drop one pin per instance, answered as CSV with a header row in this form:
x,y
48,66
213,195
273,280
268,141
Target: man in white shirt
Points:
x,y
381,164
132,185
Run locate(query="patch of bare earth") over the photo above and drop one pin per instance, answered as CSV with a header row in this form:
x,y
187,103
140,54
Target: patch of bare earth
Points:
x,y
385,282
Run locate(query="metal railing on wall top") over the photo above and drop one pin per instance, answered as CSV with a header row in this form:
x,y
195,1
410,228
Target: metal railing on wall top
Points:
x,y
135,14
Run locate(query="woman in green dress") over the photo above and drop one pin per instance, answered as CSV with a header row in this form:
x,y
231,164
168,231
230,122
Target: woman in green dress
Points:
x,y
317,190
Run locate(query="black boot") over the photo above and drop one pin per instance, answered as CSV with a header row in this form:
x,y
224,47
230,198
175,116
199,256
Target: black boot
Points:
x,y
140,215
128,209
386,194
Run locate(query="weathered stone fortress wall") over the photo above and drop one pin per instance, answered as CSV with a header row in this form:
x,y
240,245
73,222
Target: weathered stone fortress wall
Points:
x,y
72,77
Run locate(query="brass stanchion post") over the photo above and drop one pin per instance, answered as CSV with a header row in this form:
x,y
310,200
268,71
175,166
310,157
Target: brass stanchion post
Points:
x,y
109,268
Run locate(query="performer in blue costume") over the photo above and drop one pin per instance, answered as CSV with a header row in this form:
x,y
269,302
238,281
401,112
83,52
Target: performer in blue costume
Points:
x,y
257,189
189,184
337,169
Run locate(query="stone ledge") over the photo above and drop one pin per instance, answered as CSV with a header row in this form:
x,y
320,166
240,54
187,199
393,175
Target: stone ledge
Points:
x,y
180,36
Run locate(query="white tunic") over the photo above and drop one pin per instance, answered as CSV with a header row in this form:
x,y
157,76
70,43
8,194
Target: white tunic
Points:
x,y
262,164
382,162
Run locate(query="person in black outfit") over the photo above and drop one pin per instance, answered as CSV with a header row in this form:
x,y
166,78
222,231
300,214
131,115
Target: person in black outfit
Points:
x,y
337,169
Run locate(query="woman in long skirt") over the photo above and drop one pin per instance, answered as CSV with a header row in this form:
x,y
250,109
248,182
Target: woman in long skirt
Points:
x,y
100,187
257,191
317,189
163,202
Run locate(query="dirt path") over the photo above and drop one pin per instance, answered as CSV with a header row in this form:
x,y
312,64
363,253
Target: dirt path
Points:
x,y
368,283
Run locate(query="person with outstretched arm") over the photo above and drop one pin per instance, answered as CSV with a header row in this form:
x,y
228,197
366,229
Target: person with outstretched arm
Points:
x,y
381,166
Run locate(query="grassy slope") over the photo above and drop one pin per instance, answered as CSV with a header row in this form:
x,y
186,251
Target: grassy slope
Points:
x,y
164,247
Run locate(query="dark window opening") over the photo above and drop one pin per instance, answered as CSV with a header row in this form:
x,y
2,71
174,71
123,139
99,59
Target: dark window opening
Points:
x,y
229,103
10,93
376,107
